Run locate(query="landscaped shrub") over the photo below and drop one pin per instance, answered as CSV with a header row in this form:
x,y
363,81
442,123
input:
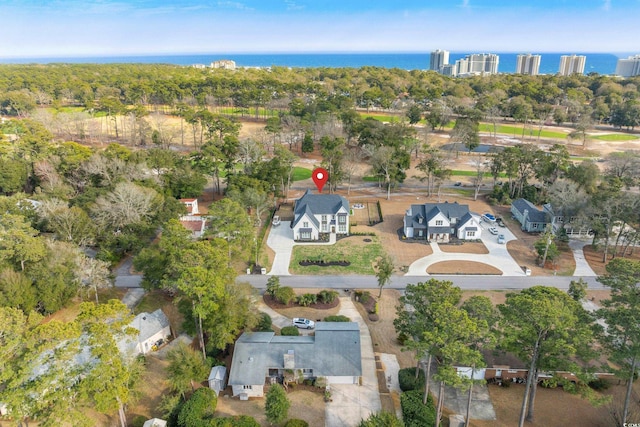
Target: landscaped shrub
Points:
x,y
295,422
327,297
599,384
264,324
237,421
290,331
276,404
382,419
337,318
200,407
414,413
363,297
307,299
273,284
138,421
284,295
402,338
408,381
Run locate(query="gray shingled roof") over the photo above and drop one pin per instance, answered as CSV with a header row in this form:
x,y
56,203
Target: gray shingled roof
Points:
x,y
318,204
430,210
149,324
535,214
333,351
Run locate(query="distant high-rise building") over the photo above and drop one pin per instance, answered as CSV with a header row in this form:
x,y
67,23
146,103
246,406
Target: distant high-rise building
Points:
x,y
628,67
528,64
477,63
438,59
572,64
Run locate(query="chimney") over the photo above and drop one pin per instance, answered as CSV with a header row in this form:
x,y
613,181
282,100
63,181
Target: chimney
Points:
x,y
289,360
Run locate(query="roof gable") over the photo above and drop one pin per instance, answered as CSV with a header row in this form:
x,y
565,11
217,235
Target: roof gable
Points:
x,y
333,351
320,204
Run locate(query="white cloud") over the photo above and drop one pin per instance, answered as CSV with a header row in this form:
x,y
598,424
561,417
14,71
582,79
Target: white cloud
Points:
x,y
234,5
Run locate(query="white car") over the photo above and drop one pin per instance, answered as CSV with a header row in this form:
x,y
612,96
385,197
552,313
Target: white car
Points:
x,y
276,221
501,239
303,323
493,230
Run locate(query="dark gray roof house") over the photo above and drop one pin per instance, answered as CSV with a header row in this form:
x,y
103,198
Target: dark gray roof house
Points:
x,y
439,221
530,217
263,357
320,213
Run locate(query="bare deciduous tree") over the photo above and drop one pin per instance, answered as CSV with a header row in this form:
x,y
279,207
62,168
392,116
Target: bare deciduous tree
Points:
x,y
127,204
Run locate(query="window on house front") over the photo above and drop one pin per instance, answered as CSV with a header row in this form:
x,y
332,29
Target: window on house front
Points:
x,y
471,233
305,235
305,224
247,387
439,222
324,218
342,228
535,225
342,219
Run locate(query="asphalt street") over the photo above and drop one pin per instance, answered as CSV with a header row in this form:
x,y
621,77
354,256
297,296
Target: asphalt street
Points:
x,y
480,283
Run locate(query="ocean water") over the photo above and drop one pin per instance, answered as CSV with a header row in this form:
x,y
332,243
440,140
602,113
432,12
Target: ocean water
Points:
x,y
601,63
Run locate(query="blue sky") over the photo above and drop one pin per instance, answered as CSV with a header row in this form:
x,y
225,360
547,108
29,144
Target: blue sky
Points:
x,y
59,28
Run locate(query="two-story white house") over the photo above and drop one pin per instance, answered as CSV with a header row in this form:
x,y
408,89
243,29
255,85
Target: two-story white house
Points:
x,y
438,222
314,214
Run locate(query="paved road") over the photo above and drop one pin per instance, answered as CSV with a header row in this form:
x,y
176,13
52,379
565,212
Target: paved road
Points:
x,y
400,282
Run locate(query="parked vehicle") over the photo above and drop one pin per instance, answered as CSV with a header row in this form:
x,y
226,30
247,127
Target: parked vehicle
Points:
x,y
493,230
276,220
489,217
457,184
500,222
501,239
303,323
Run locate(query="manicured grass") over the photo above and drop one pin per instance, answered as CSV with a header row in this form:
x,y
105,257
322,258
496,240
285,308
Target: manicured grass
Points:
x,y
615,137
370,178
381,117
300,174
66,109
517,131
352,249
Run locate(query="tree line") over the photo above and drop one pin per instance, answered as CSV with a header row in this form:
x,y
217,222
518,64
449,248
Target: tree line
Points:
x,y
545,328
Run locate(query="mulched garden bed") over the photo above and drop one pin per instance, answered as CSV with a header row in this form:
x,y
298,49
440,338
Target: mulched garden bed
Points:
x,y
369,303
323,263
275,304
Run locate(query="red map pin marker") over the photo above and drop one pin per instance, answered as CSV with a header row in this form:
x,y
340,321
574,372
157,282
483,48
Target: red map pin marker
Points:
x,y
320,177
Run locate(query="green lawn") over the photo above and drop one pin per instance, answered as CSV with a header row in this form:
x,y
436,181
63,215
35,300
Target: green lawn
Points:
x,y
351,249
300,174
370,178
381,117
615,137
517,131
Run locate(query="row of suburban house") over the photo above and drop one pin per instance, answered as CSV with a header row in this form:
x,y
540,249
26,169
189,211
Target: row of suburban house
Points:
x,y
534,220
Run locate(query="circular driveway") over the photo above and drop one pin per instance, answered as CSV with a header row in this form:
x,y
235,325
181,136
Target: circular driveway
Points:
x,y
497,257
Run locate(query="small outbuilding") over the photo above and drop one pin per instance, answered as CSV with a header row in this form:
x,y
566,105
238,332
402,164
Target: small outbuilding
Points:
x,y
217,378
155,422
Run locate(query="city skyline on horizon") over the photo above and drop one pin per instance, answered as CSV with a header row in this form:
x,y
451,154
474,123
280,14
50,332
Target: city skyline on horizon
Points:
x,y
102,28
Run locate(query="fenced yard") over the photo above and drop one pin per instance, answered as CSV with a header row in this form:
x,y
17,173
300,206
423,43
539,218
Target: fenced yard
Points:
x,y
365,213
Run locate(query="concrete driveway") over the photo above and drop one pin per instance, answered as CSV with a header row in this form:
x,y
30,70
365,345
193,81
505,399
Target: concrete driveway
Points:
x,y
353,403
497,257
281,241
